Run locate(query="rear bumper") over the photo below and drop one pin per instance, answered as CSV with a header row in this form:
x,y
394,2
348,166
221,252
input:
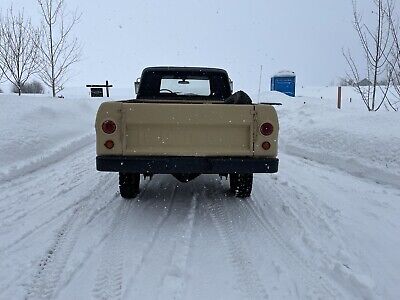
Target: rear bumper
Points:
x,y
183,164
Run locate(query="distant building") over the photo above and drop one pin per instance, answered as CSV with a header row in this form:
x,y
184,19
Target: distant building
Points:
x,y
284,82
365,82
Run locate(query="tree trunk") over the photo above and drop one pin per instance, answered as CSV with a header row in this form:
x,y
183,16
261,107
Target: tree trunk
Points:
x,y
53,87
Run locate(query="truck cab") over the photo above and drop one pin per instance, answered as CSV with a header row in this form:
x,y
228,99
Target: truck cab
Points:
x,y
184,84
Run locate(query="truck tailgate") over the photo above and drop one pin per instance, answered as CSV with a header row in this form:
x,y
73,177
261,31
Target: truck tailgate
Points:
x,y
187,129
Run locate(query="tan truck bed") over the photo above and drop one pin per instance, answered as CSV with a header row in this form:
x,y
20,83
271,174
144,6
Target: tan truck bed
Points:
x,y
171,129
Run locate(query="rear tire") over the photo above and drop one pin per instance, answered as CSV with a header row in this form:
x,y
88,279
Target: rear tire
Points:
x,y
241,184
129,185
233,182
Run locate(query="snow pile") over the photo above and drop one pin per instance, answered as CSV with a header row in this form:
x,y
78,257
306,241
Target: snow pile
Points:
x,y
40,130
285,73
366,144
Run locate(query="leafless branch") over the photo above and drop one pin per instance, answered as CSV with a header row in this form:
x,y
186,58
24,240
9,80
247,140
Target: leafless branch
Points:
x,y
394,59
377,45
59,50
18,51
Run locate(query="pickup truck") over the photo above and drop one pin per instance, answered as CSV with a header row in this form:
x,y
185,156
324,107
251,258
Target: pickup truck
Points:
x,y
186,122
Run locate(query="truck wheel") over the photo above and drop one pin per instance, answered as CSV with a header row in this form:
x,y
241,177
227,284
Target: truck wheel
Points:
x,y
241,184
129,185
233,182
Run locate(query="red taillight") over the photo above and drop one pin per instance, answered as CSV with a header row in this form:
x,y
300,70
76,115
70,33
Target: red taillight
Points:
x,y
266,129
108,127
266,146
109,144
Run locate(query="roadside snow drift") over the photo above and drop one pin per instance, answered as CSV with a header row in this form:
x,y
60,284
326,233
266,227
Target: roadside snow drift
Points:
x,y
41,130
366,144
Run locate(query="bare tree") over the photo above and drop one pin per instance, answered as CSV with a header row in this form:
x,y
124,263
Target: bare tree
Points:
x,y
1,38
18,52
59,50
377,45
394,60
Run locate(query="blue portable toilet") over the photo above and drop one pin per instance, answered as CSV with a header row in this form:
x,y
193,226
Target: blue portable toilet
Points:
x,y
284,82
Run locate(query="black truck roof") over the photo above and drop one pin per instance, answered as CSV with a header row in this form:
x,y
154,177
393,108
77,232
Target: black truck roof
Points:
x,y
184,69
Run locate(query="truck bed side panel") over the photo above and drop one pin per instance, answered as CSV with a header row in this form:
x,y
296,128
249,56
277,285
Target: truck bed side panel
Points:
x,y
263,114
109,111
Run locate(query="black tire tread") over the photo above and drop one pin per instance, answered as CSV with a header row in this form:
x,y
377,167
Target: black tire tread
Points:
x,y
241,185
129,185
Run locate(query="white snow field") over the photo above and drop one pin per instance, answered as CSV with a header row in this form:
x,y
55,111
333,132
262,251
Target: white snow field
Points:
x,y
326,226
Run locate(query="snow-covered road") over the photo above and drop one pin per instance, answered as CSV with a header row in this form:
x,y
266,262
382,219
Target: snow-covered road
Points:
x,y
308,232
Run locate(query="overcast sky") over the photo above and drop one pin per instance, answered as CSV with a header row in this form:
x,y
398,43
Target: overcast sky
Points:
x,y
122,37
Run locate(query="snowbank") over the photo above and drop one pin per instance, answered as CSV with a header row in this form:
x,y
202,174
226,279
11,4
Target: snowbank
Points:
x,y
37,130
285,73
366,144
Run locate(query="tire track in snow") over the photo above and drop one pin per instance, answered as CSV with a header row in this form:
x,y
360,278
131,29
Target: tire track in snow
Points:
x,y
109,277
22,198
309,208
153,237
53,156
47,279
257,216
29,188
73,206
17,210
284,191
109,282
173,283
246,273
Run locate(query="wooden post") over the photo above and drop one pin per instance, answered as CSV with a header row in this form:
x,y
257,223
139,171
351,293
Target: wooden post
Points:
x,y
339,97
107,90
259,84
